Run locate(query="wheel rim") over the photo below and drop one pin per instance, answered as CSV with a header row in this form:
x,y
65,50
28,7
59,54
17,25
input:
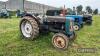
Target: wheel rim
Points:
x,y
59,42
76,27
26,28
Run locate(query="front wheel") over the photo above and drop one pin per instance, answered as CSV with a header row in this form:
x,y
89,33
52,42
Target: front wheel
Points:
x,y
60,41
76,27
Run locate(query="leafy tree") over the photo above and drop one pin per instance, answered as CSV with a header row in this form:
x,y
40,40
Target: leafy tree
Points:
x,y
69,10
79,9
95,11
89,10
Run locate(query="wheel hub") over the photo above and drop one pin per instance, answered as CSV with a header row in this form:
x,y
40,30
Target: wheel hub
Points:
x,y
76,27
59,42
26,29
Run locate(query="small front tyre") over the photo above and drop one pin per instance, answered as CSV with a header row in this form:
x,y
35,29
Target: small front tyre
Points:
x,y
60,41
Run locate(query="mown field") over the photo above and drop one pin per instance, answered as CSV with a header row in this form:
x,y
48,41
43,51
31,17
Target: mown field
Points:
x,y
11,43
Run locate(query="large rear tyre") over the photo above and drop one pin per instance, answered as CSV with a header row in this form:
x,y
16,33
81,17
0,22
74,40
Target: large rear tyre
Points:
x,y
60,41
29,28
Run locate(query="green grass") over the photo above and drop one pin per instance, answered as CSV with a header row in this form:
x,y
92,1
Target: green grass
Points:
x,y
11,43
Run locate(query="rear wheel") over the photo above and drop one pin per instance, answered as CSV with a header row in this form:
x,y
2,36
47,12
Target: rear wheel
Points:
x,y
29,28
89,22
60,41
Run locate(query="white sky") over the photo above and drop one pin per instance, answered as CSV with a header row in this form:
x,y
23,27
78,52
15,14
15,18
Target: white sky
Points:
x,y
69,3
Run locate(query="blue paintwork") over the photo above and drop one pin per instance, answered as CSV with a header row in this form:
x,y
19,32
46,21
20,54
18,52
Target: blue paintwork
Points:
x,y
78,17
68,25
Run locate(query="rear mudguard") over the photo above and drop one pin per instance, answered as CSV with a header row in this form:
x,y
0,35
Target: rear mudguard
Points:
x,y
34,17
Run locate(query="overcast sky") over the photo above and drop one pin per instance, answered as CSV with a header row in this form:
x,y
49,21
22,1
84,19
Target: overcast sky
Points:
x,y
69,3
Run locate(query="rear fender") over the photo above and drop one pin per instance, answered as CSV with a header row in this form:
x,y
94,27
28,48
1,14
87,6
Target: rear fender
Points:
x,y
34,17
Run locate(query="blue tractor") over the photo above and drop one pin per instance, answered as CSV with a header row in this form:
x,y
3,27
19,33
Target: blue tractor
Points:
x,y
87,19
20,13
4,13
31,26
78,21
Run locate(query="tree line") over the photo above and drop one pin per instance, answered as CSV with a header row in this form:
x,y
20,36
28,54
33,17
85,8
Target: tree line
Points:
x,y
79,10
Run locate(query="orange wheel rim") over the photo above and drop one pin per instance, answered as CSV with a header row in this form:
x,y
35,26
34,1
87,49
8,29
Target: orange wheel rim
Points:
x,y
59,42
